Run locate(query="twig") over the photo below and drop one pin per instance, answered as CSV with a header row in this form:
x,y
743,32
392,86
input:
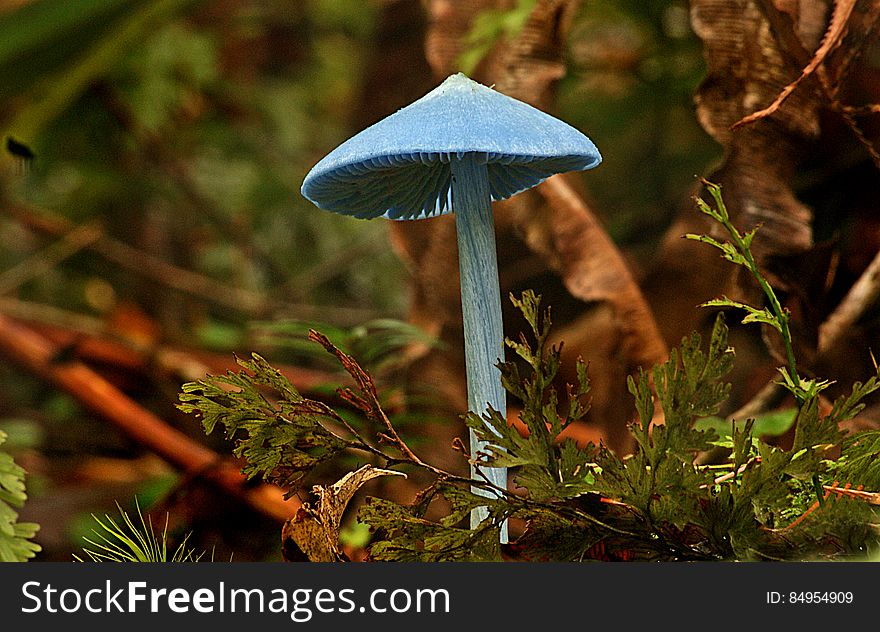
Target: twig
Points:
x,y
766,399
870,108
94,343
38,355
180,279
833,36
850,119
40,263
144,263
367,400
841,491
785,31
305,281
51,315
858,299
731,475
872,498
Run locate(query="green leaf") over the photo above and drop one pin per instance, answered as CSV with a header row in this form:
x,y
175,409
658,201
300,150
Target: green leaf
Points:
x,y
282,438
859,463
728,250
694,387
772,424
406,536
488,27
552,537
814,435
762,316
659,480
547,467
15,537
585,502
846,408
753,315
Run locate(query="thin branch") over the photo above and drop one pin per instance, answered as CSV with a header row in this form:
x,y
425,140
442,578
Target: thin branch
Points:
x,y
38,264
50,315
858,299
733,474
872,498
790,44
36,354
307,280
862,110
94,343
850,119
863,293
815,505
833,36
183,280
144,263
367,400
769,397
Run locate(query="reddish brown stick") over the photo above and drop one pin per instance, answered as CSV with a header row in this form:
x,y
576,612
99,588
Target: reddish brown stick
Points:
x,y
37,354
173,362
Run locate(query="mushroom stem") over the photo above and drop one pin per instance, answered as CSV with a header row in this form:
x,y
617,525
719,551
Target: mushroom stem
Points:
x,y
480,303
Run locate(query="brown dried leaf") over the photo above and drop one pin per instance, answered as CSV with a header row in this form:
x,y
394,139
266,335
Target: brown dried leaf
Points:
x,y
833,37
754,51
593,269
861,30
533,62
568,235
748,64
313,533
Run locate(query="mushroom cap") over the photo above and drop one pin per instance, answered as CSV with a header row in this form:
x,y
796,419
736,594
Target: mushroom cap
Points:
x,y
399,167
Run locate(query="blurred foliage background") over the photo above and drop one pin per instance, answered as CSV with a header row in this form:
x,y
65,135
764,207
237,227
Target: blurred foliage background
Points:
x,y
149,197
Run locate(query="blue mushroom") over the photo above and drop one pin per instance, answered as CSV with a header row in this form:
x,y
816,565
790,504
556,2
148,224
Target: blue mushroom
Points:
x,y
457,148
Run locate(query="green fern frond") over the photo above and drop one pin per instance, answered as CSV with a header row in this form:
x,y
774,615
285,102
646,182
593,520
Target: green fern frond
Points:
x,y
15,537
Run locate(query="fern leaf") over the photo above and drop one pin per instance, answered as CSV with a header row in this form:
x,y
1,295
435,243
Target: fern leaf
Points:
x,y
15,537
